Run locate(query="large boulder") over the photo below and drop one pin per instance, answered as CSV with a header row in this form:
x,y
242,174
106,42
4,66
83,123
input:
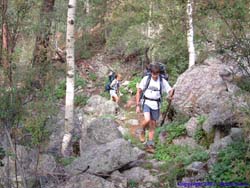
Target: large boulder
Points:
x,y
29,167
105,158
56,128
99,131
100,106
87,181
139,175
209,89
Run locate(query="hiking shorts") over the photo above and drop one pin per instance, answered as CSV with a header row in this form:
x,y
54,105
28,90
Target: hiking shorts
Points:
x,y
113,93
154,114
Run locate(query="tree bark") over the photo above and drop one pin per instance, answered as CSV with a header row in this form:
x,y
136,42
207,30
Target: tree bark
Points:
x,y
70,79
5,41
87,7
190,34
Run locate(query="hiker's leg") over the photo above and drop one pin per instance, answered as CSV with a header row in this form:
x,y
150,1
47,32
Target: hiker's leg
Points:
x,y
144,124
116,99
114,96
155,114
151,133
146,113
146,120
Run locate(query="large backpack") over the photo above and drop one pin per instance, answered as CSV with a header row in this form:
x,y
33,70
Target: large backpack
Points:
x,y
163,74
111,77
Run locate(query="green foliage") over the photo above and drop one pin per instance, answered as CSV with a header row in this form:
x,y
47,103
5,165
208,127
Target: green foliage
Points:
x,y
132,84
201,119
176,158
80,82
66,160
36,119
174,130
10,106
92,76
132,184
200,135
244,84
181,154
105,94
133,140
233,164
80,100
60,90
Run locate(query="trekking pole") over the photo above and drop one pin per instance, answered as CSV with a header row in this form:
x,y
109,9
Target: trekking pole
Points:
x,y
166,113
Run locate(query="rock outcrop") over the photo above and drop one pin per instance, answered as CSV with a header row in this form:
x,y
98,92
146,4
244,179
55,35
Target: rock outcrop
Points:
x,y
209,89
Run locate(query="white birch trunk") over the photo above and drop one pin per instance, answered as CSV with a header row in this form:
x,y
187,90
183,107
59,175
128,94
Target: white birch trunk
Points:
x,y
190,34
70,79
87,7
150,31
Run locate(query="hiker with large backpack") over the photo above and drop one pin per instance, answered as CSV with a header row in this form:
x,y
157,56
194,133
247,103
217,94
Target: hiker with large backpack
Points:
x,y
148,97
114,88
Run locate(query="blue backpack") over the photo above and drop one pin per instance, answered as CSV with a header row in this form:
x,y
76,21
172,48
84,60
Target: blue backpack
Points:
x,y
111,77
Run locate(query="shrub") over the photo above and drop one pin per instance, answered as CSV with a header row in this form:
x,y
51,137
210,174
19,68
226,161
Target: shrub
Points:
x,y
233,164
132,84
174,130
60,90
80,100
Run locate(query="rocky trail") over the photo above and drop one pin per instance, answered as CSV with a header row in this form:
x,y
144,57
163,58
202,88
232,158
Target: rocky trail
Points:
x,y
106,152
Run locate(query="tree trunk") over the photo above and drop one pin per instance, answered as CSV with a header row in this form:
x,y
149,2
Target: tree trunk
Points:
x,y
41,56
150,32
190,33
5,42
87,7
70,80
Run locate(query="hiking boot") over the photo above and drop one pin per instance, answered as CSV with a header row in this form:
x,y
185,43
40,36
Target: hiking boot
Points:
x,y
149,146
142,136
150,149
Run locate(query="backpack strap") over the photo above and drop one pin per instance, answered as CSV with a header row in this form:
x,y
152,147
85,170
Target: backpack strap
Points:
x,y
146,86
161,84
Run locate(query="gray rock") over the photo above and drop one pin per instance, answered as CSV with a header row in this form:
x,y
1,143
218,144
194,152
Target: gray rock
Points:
x,y
163,136
221,144
204,89
196,166
87,181
156,164
139,174
99,131
191,126
123,131
133,122
27,167
100,106
104,158
184,140
119,180
219,117
236,134
47,164
56,128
